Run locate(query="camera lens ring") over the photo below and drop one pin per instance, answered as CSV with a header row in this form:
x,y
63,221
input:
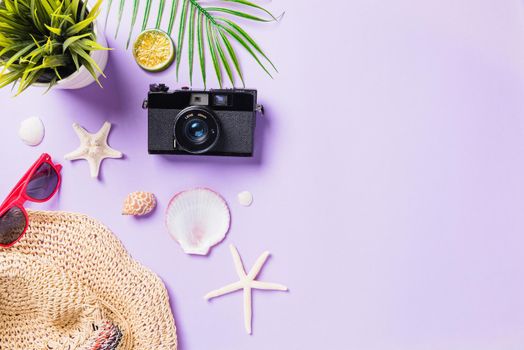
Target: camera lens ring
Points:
x,y
199,116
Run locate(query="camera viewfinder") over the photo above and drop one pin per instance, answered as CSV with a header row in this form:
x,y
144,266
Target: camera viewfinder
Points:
x,y
220,100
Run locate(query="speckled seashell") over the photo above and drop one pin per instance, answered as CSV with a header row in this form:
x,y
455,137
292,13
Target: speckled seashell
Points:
x,y
139,203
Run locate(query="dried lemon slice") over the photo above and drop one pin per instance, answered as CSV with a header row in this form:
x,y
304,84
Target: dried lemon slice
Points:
x,y
154,50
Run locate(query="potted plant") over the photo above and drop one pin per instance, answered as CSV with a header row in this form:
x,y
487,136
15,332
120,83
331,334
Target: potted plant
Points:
x,y
53,43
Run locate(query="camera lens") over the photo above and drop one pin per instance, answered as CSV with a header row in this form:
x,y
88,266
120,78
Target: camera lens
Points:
x,y
196,129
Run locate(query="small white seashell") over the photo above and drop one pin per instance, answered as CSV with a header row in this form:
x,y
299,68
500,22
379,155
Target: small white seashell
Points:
x,y
245,198
198,219
139,203
32,131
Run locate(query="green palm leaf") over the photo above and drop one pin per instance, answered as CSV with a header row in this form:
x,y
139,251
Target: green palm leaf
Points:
x,y
248,48
181,32
208,25
248,3
161,6
136,4
213,51
120,13
201,50
247,38
146,14
174,8
108,11
191,42
223,59
233,56
237,13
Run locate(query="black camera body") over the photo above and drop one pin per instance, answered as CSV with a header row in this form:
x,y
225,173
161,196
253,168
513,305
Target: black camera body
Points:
x,y
214,122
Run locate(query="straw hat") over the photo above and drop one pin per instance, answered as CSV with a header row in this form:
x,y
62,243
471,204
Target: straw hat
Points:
x,y
70,284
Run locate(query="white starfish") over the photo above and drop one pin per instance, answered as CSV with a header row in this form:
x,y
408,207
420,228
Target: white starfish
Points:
x,y
93,147
247,283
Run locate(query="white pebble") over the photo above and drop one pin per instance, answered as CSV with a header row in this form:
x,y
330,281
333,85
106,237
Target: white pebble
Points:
x,y
245,198
32,131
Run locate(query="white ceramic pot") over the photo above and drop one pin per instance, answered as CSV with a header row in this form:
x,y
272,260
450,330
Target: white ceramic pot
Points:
x,y
82,78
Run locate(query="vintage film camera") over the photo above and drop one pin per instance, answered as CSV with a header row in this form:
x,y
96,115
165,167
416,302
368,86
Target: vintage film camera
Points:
x,y
214,122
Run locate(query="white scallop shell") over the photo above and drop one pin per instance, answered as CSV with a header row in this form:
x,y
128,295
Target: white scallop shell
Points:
x,y
198,219
32,131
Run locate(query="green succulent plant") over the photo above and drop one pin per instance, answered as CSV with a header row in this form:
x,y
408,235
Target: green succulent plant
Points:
x,y
209,26
46,41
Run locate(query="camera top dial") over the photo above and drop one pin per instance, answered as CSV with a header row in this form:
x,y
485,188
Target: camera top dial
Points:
x,y
196,129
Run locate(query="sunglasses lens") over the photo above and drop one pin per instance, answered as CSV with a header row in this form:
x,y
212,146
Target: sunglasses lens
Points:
x,y
12,225
43,183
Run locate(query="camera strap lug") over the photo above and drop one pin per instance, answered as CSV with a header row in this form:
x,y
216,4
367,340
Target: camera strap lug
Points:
x,y
145,104
260,109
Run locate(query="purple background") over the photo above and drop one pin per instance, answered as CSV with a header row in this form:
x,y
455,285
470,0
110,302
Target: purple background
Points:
x,y
388,179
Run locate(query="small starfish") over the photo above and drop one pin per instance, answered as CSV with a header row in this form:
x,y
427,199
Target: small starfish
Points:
x,y
247,283
93,147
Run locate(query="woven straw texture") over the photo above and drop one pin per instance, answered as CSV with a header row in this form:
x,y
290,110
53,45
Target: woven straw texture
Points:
x,y
69,280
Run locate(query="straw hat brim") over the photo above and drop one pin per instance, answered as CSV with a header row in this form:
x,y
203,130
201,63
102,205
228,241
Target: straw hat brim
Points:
x,y
130,295
42,307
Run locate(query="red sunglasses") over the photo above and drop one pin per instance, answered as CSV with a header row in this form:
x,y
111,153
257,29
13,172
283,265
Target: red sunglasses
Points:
x,y
39,184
